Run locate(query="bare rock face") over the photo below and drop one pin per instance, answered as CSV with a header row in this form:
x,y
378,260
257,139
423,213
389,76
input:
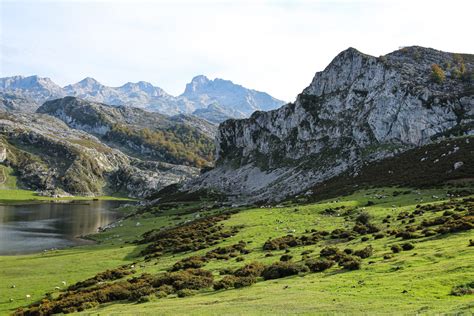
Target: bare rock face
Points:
x,y
359,109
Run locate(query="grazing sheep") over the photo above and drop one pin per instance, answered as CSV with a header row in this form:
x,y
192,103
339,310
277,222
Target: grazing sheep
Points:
x,y
57,288
13,286
63,282
11,300
28,296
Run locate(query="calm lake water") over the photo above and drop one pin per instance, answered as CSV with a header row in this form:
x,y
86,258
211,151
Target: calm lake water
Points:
x,y
36,227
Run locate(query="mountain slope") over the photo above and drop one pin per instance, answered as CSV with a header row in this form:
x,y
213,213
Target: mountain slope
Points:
x,y
146,135
358,110
50,157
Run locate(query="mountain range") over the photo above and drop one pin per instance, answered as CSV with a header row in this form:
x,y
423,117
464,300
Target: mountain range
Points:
x,y
214,100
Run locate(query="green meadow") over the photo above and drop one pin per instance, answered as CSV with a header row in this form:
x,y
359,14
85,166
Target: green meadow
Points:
x,y
418,281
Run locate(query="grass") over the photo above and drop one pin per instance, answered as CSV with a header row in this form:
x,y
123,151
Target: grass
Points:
x,y
415,281
10,196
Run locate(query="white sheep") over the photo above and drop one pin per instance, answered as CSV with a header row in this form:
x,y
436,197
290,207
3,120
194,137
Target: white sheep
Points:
x,y
63,282
57,288
13,286
28,296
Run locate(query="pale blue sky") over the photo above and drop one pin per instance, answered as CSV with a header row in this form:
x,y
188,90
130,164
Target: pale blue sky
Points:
x,y
273,46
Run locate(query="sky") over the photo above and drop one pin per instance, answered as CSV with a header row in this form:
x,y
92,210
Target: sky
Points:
x,y
271,46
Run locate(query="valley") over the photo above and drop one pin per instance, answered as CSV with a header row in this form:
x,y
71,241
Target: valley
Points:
x,y
420,280
357,198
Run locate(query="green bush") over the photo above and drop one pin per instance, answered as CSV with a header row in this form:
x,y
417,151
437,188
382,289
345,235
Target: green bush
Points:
x,y
283,269
186,292
364,253
189,263
244,281
225,283
351,263
253,269
286,258
396,248
316,265
407,246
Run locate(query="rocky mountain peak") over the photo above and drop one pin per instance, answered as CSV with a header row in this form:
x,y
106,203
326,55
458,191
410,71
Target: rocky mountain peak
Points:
x,y
359,109
87,84
196,84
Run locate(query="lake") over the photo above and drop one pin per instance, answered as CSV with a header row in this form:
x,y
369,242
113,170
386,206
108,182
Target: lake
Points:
x,y
36,227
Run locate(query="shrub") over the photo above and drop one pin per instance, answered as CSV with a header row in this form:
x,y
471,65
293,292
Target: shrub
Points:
x,y
350,263
348,251
193,279
315,265
244,281
161,294
282,269
453,226
186,292
107,275
408,235
281,243
365,238
407,246
379,236
428,232
225,283
365,228
396,248
189,263
437,74
226,271
364,217
471,242
464,289
253,269
286,258
144,299
364,253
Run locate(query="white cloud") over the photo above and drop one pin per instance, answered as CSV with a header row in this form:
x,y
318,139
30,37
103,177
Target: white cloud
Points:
x,y
274,46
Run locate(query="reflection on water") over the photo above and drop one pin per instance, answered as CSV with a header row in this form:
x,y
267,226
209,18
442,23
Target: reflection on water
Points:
x,y
32,228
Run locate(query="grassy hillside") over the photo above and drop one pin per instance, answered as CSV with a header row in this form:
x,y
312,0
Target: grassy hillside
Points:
x,y
418,280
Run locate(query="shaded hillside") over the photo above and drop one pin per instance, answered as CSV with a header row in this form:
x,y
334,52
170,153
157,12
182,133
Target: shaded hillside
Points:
x,y
427,166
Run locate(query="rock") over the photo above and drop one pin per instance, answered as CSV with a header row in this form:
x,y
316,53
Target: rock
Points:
x,y
458,165
360,109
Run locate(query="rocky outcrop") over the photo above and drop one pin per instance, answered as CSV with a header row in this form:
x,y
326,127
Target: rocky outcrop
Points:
x,y
359,109
49,156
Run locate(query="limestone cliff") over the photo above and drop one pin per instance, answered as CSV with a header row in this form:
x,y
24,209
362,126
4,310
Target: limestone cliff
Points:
x,y
359,109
